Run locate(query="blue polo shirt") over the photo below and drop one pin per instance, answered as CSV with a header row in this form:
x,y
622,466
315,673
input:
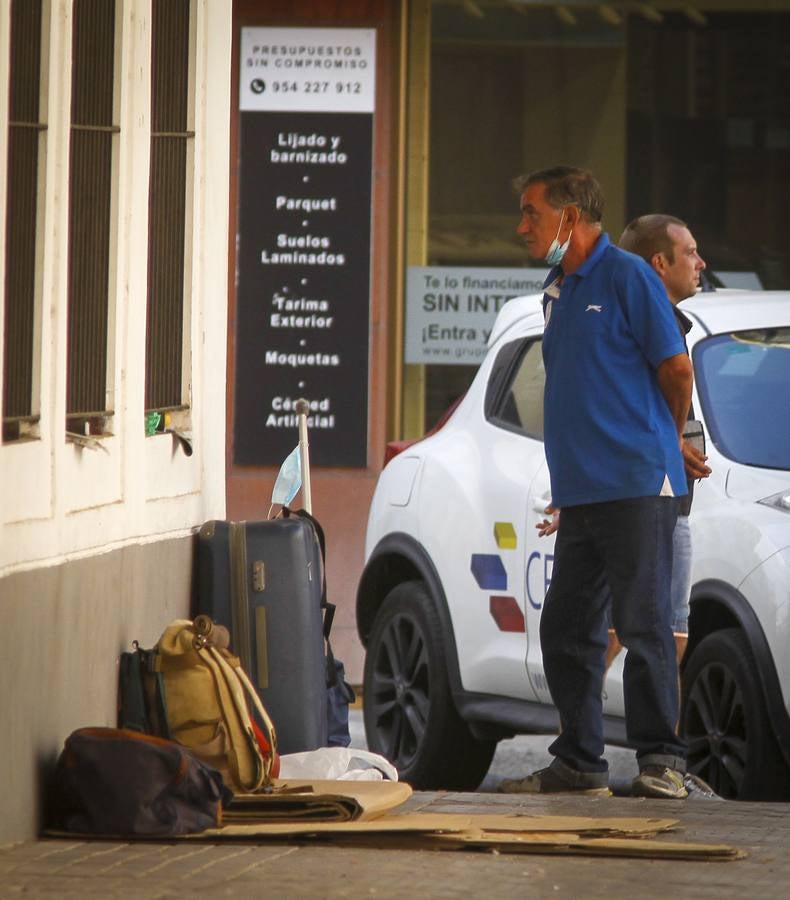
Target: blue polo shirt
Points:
x,y
608,431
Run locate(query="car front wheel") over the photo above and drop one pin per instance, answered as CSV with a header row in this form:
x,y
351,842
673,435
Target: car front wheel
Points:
x,y
410,717
725,722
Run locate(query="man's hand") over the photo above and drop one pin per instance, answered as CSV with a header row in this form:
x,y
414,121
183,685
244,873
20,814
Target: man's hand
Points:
x,y
694,461
547,527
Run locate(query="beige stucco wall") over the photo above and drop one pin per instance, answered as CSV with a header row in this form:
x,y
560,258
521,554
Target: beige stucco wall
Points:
x,y
96,543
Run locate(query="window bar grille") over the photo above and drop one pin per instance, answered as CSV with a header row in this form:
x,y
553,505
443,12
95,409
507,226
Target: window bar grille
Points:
x,y
167,204
90,206
25,137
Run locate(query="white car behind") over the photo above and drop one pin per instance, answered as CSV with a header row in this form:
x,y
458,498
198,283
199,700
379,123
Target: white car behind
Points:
x,y
449,602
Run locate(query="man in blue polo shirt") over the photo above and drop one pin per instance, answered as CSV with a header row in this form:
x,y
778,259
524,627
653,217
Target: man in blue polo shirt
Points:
x,y
618,389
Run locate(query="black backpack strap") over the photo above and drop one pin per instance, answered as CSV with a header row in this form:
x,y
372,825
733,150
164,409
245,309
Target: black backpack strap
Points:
x,y
331,668
132,713
141,696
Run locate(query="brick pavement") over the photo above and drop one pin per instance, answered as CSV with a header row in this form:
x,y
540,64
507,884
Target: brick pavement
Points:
x,y
72,868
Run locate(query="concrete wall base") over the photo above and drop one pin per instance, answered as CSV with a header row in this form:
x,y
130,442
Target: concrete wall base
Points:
x,y
64,628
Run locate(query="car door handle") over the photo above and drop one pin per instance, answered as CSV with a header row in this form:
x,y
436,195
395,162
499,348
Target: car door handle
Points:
x,y
539,504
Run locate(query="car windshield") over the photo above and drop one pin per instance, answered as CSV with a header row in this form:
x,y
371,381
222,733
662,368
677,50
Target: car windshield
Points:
x,y
743,380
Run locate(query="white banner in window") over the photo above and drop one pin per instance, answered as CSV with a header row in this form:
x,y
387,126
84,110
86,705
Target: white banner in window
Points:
x,y
307,70
450,311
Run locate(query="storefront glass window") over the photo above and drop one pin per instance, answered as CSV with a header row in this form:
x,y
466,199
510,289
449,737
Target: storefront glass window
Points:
x,y
682,112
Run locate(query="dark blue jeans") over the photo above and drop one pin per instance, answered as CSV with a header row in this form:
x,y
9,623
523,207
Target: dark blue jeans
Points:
x,y
626,544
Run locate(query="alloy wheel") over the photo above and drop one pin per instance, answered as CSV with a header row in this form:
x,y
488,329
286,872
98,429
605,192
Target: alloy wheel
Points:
x,y
715,729
400,692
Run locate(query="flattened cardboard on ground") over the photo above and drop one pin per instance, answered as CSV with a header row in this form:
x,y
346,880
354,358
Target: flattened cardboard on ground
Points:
x,y
547,834
380,826
544,843
360,813
552,843
623,826
490,827
314,801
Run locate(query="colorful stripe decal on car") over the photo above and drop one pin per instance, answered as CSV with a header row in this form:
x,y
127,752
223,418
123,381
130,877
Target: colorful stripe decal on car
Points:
x,y
488,571
506,613
490,574
505,535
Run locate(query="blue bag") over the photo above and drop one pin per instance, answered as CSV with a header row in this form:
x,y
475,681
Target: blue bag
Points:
x,y
338,697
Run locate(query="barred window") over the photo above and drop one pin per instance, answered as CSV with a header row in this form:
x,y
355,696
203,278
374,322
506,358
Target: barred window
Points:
x,y
93,136
26,145
172,142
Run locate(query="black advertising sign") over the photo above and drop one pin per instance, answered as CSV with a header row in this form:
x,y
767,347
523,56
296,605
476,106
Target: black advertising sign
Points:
x,y
303,244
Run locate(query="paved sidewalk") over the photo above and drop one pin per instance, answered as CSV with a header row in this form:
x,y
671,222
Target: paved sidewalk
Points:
x,y
307,869
290,869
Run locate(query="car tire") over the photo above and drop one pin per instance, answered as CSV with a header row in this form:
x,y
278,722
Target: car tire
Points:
x,y
725,722
410,717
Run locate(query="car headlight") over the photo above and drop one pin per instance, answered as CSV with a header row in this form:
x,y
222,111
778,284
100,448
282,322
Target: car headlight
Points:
x,y
778,501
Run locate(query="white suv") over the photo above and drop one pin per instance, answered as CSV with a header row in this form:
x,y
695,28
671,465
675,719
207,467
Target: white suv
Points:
x,y
450,598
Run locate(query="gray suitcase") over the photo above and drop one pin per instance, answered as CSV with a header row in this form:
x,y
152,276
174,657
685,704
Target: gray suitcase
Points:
x,y
265,581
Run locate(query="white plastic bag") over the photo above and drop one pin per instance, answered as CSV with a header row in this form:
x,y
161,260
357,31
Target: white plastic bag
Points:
x,y
337,764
